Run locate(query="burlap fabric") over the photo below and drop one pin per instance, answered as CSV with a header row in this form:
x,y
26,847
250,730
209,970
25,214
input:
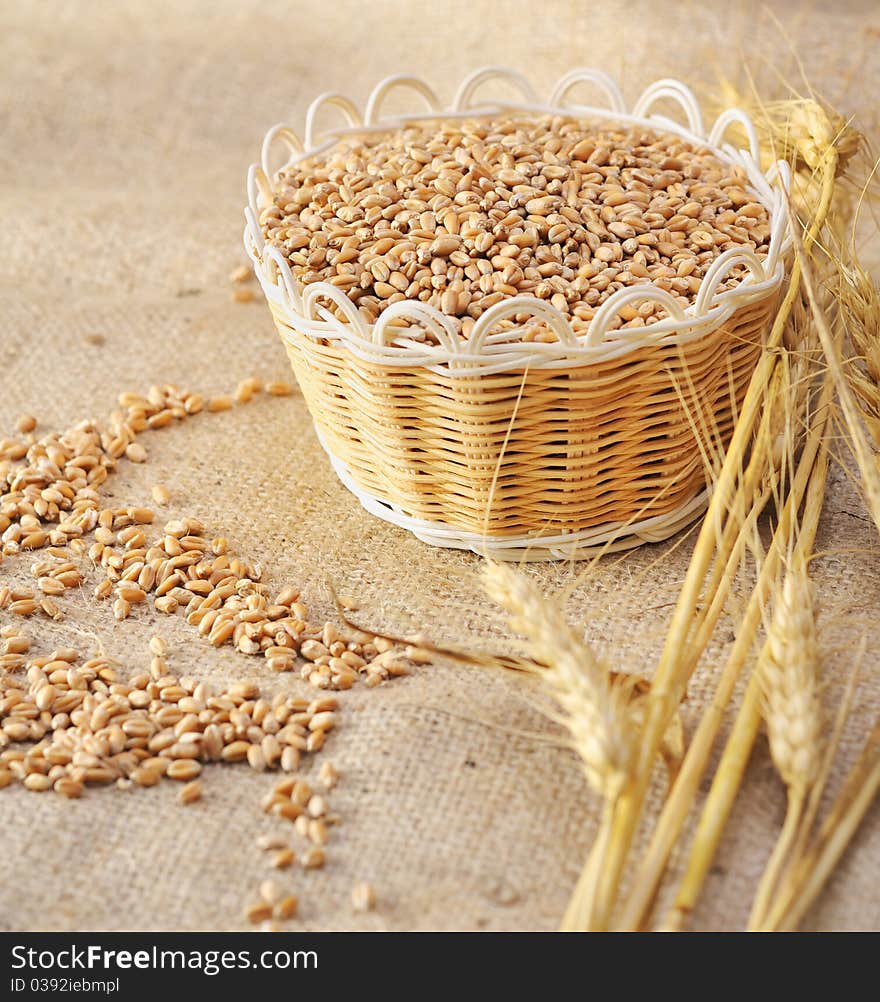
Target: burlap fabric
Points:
x,y
127,130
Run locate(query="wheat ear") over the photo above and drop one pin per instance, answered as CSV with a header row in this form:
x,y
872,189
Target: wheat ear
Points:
x,y
860,308
788,677
593,705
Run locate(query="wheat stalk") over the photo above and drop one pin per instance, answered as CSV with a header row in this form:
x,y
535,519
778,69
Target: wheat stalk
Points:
x,y
824,146
673,670
808,485
793,401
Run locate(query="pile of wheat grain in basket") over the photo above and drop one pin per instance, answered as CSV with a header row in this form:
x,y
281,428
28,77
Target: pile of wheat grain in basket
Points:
x,y
463,213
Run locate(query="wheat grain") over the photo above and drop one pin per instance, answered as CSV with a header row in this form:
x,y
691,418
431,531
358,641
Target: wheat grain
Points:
x,y
270,891
313,858
258,911
278,388
286,907
283,858
190,793
160,493
363,897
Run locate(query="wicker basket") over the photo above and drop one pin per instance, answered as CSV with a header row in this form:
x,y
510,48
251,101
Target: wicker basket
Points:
x,y
528,450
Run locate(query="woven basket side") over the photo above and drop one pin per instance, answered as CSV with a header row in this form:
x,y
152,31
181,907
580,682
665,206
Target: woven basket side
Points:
x,y
540,451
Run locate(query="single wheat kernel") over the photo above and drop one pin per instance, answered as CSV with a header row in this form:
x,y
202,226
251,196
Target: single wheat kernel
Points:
x,y
278,388
288,811
184,769
247,389
313,858
51,609
242,295
300,793
131,594
256,759
270,891
258,912
160,493
240,274
418,655
317,806
284,787
216,404
136,453
317,831
38,782
17,644
328,776
269,801
190,793
268,842
69,788
158,647
283,858
363,897
235,751
286,907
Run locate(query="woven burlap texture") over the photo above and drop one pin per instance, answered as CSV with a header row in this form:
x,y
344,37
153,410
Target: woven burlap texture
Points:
x,y
126,135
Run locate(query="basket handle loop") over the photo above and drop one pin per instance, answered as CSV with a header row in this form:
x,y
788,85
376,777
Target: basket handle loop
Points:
x,y
258,185
598,78
372,114
609,309
290,139
324,290
273,256
779,173
435,322
720,269
676,90
253,235
340,101
468,86
520,304
723,123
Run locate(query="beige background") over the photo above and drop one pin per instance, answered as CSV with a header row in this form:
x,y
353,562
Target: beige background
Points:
x,y
125,133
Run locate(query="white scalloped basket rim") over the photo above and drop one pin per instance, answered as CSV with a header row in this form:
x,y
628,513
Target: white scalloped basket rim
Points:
x,y
488,349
